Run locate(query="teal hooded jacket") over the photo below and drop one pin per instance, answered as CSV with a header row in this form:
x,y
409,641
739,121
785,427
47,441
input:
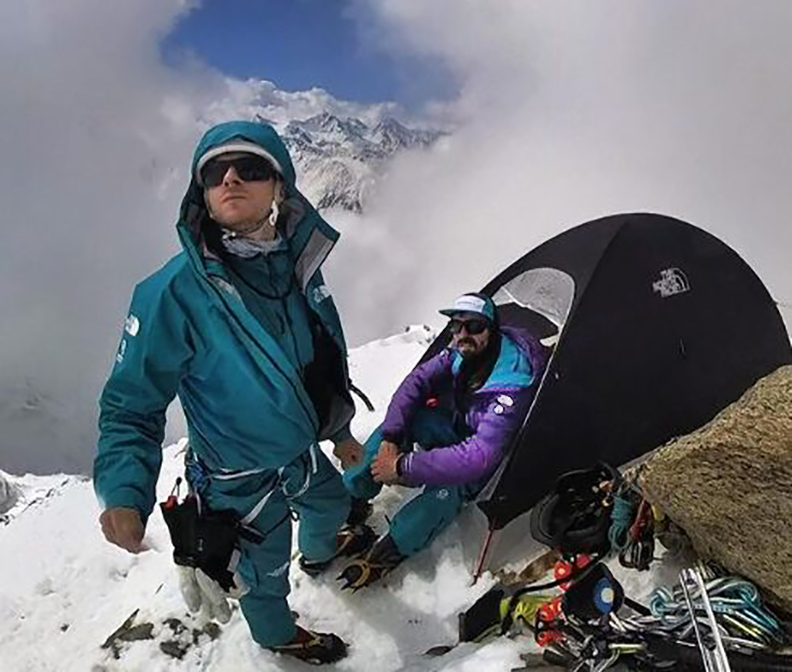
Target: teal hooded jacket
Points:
x,y
189,334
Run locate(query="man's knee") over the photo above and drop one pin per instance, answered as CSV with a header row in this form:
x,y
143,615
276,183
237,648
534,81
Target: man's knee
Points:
x,y
325,493
417,523
325,503
264,566
434,427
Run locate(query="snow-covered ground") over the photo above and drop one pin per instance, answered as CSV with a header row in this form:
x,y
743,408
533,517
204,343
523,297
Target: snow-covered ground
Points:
x,y
64,590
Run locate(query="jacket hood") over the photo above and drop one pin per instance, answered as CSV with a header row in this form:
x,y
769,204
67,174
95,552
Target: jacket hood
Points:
x,y
261,134
304,228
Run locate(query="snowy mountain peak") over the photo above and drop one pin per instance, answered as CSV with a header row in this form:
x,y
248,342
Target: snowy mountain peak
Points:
x,y
339,159
339,148
326,123
392,134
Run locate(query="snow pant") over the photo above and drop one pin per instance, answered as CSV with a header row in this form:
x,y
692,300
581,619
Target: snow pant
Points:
x,y
419,521
310,488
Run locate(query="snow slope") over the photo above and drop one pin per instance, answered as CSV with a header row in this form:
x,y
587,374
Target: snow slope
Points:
x,y
63,590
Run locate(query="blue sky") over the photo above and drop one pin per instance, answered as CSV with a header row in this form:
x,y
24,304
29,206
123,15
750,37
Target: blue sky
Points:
x,y
302,43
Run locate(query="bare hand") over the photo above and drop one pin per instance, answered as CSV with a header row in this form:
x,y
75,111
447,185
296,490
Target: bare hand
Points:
x,y
383,469
123,527
350,452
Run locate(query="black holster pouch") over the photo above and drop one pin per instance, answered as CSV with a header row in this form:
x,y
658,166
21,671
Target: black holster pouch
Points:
x,y
206,540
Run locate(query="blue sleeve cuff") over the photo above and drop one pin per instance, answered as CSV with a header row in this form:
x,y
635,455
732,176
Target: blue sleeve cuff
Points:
x,y
127,498
341,435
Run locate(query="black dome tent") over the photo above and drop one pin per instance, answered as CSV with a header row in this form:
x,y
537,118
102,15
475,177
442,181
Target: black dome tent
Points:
x,y
657,326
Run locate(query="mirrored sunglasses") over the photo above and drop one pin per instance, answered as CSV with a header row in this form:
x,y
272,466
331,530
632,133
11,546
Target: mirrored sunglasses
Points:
x,y
472,327
249,168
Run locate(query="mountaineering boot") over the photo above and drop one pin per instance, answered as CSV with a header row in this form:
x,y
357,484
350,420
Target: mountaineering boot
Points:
x,y
359,511
379,561
316,648
351,540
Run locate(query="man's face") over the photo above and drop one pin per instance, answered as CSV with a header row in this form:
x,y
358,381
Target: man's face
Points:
x,y
466,343
236,203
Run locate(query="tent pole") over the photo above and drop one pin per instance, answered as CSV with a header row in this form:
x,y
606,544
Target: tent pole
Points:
x,y
482,559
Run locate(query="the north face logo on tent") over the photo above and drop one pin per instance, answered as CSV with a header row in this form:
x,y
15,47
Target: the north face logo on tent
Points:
x,y
672,281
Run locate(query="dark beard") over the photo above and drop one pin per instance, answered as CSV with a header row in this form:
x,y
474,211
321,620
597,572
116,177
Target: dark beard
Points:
x,y
476,369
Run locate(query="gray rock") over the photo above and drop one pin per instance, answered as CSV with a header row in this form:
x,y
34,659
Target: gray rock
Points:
x,y
729,486
9,494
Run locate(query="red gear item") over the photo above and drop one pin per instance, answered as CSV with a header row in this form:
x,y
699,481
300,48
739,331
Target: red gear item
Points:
x,y
561,571
547,637
550,611
582,560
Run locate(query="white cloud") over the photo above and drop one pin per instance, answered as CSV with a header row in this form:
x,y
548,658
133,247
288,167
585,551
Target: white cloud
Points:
x,y
573,110
252,97
96,136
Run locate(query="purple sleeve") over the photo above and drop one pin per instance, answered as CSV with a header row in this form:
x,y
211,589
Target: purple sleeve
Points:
x,y
413,393
474,457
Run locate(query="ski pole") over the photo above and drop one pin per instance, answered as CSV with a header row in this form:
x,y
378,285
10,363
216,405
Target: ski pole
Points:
x,y
715,659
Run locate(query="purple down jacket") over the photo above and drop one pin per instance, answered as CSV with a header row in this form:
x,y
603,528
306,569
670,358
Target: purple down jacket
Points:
x,y
493,414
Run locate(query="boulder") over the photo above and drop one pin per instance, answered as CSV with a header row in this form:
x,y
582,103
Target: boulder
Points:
x,y
728,485
9,494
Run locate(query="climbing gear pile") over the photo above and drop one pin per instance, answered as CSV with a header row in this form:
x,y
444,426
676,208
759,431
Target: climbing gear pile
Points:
x,y
710,621
503,607
743,621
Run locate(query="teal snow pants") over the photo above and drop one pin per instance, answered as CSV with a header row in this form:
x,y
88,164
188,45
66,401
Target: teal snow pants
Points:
x,y
309,488
419,521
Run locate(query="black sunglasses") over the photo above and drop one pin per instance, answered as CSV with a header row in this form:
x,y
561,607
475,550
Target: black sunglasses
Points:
x,y
473,327
249,168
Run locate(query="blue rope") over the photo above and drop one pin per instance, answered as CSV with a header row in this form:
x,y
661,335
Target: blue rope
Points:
x,y
621,518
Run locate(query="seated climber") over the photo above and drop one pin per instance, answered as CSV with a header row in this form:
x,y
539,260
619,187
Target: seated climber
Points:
x,y
460,411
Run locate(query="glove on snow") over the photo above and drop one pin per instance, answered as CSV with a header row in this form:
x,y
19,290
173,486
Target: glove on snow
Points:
x,y
200,592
